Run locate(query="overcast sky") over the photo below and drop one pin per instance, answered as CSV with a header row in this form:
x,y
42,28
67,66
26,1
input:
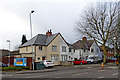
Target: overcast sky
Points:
x,y
57,15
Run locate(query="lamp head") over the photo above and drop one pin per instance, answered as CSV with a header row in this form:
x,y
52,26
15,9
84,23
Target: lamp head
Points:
x,y
32,11
114,38
8,40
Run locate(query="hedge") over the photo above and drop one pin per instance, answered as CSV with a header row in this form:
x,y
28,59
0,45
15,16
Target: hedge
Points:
x,y
14,68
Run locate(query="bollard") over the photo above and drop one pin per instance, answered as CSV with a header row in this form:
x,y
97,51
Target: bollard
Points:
x,y
102,65
117,63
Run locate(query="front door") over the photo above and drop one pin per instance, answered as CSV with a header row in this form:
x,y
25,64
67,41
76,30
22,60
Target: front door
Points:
x,y
43,57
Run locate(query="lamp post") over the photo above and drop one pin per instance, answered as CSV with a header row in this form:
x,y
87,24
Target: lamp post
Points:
x,y
9,51
115,48
31,38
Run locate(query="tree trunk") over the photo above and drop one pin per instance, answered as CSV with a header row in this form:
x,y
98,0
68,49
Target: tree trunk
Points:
x,y
104,51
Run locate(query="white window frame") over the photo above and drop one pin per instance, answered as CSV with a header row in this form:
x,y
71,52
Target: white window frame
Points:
x,y
40,48
54,48
54,57
63,48
64,57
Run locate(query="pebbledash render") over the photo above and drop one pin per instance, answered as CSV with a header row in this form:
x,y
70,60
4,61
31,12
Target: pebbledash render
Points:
x,y
48,46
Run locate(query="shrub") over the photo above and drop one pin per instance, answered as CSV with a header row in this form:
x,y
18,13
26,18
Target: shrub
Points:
x,y
17,68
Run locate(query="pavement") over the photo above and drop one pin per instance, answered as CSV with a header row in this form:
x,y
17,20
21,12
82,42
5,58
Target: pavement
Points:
x,y
111,66
51,69
77,71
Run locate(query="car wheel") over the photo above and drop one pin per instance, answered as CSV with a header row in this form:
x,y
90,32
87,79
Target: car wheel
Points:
x,y
51,66
81,63
89,62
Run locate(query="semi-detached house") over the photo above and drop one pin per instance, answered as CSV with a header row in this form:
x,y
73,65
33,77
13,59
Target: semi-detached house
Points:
x,y
84,48
48,46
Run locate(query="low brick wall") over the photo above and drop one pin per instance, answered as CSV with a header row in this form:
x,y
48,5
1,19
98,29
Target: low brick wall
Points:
x,y
5,60
66,62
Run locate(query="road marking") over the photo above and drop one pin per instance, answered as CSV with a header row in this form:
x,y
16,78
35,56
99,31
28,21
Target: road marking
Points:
x,y
79,74
115,74
89,67
66,72
100,77
76,74
101,70
36,76
58,77
62,73
112,67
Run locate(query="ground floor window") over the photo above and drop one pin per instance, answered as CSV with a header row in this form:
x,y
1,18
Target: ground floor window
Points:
x,y
54,57
64,57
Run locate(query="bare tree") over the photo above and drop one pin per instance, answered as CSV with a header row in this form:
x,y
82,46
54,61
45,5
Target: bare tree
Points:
x,y
98,23
116,34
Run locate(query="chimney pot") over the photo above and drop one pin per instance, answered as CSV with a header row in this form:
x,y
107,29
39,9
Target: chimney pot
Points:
x,y
49,32
84,39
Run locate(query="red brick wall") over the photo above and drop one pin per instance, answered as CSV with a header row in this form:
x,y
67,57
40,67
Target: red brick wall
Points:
x,y
5,60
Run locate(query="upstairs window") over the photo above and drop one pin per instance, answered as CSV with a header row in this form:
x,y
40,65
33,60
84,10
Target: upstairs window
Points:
x,y
74,50
84,50
92,50
70,50
54,48
63,48
40,48
26,48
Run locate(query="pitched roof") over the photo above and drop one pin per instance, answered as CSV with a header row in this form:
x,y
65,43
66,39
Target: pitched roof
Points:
x,y
70,45
80,44
41,39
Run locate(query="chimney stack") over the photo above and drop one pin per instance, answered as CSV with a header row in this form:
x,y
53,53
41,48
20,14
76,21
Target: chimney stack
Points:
x,y
84,39
49,32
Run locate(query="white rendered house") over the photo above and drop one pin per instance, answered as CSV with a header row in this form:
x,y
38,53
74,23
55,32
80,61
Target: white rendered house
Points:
x,y
84,48
66,51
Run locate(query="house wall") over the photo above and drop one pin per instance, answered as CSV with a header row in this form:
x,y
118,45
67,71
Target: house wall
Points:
x,y
63,43
77,54
40,53
4,52
96,50
71,54
80,54
85,54
27,49
49,51
26,55
93,46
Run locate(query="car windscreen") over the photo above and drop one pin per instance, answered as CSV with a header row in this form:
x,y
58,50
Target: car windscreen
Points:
x,y
48,61
91,57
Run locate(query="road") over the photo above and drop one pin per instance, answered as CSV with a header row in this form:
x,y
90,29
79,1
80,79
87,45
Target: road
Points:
x,y
78,71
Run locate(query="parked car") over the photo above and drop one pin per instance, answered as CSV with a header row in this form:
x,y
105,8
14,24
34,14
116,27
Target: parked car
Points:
x,y
80,62
112,60
94,59
48,63
3,65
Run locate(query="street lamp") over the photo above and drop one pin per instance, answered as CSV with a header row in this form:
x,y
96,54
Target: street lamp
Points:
x,y
31,38
9,51
115,48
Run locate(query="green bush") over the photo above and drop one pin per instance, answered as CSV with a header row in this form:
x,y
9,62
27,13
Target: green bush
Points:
x,y
15,68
